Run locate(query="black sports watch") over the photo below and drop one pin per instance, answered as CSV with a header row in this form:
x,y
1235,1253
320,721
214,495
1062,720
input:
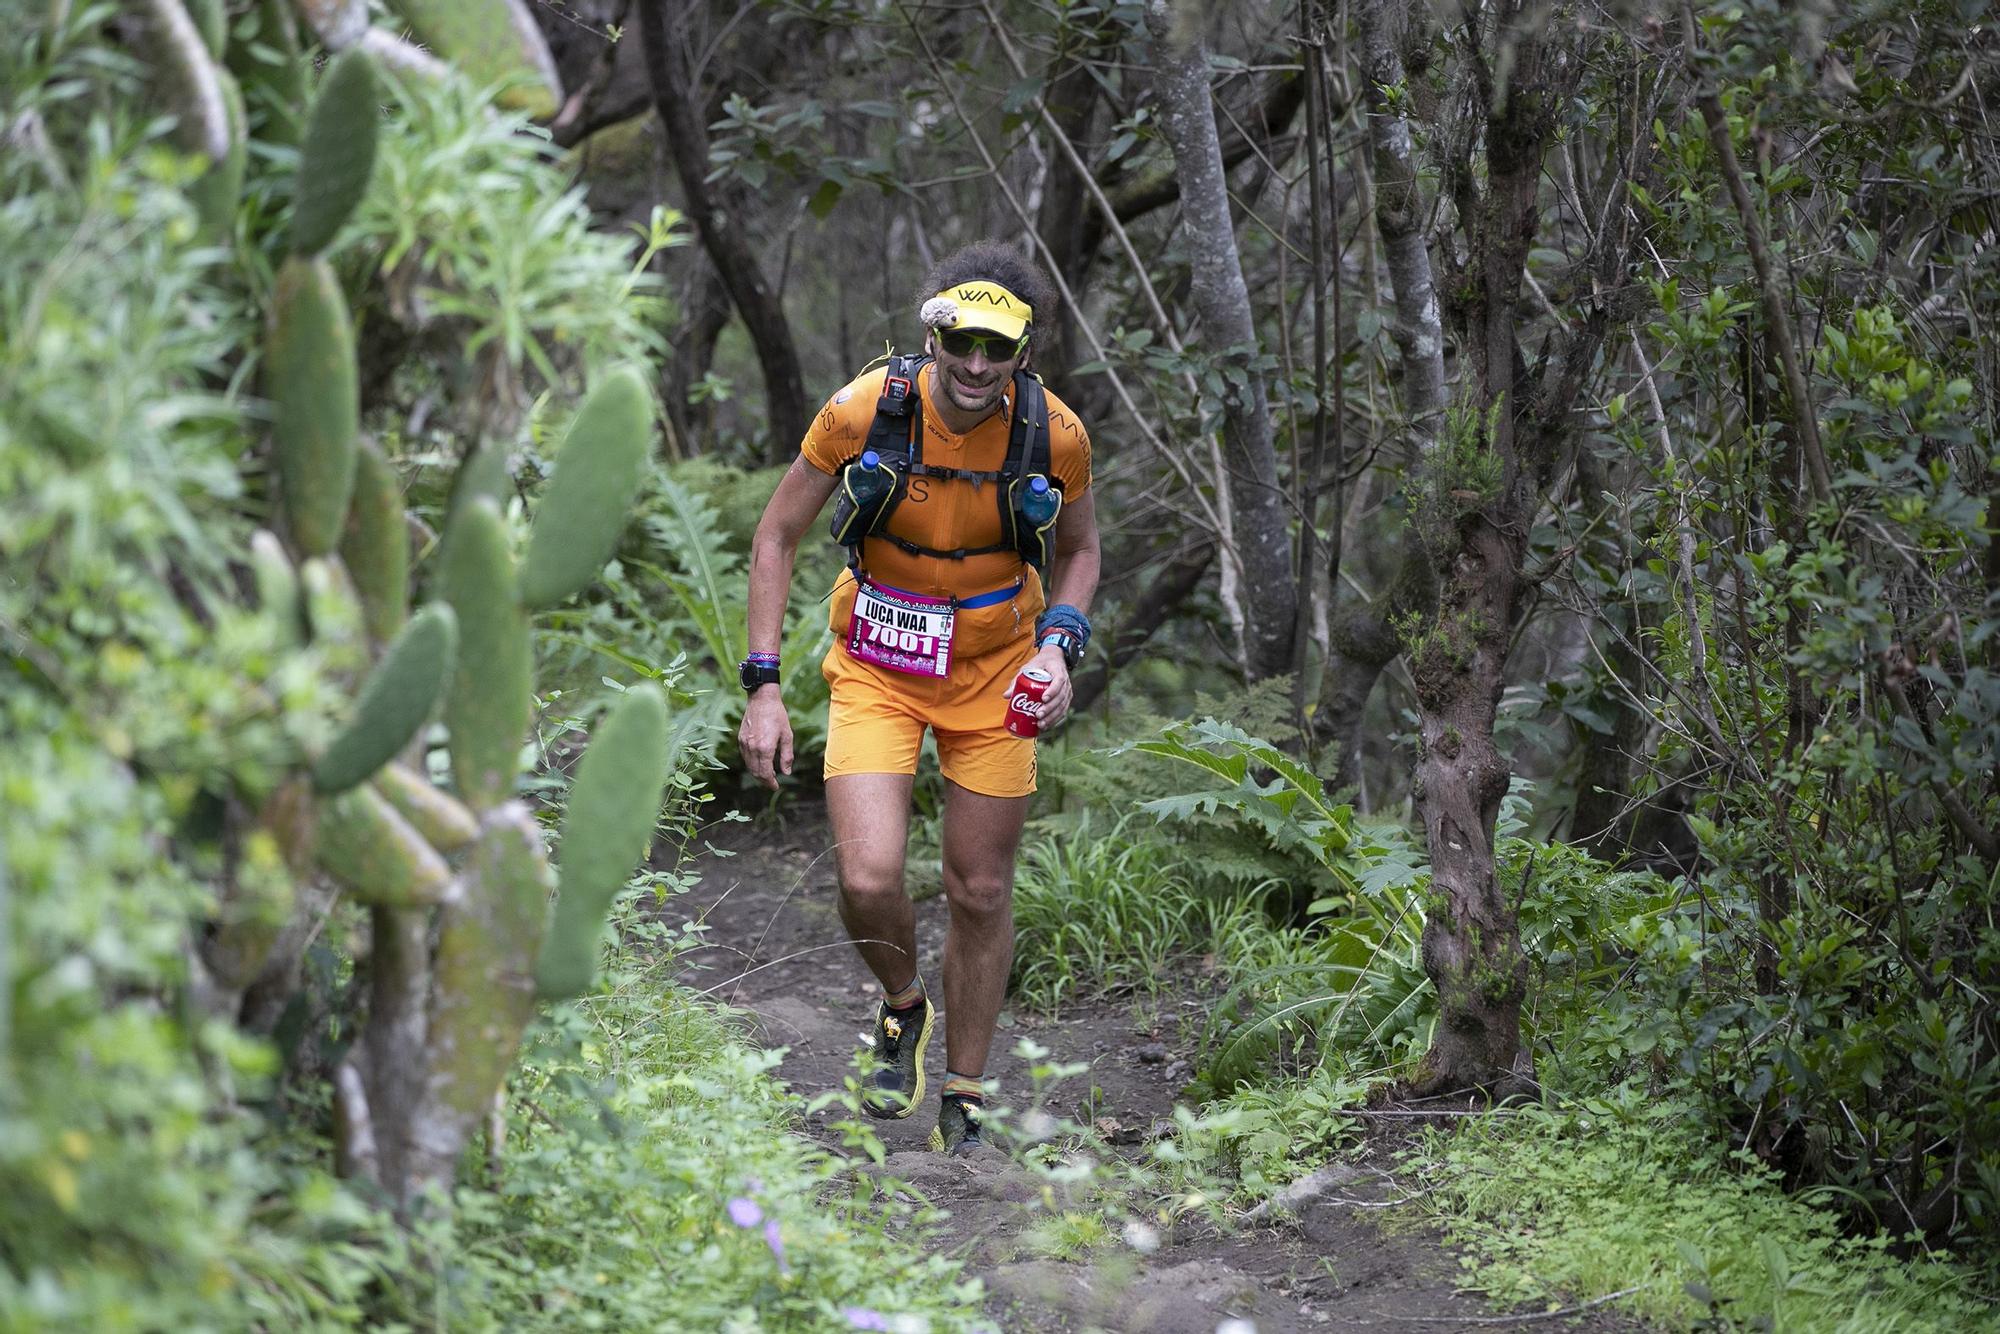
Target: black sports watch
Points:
x,y
1072,652
754,675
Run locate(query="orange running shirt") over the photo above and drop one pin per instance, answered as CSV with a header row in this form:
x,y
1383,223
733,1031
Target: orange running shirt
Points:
x,y
946,513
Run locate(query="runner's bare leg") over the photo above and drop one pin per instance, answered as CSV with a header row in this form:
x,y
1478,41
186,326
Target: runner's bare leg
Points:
x,y
870,814
981,836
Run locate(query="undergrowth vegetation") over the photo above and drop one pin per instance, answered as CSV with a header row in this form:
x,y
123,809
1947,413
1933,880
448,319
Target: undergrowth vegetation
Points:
x,y
652,1182
1633,1199
1318,1000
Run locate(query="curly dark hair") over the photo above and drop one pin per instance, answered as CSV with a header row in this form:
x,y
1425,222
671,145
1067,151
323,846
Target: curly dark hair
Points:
x,y
996,262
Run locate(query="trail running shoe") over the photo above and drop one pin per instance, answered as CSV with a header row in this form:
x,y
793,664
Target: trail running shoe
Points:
x,y
957,1131
897,1085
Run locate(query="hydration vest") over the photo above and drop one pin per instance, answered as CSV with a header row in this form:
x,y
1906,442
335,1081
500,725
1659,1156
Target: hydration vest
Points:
x,y
862,506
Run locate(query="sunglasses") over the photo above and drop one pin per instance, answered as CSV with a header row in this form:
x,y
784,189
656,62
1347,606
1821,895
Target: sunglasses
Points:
x,y
997,347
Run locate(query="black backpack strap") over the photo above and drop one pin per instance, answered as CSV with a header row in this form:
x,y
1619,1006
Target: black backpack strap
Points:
x,y
1028,445
959,553
956,474
898,429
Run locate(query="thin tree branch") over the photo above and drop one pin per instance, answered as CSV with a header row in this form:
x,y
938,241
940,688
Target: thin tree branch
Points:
x,y
1770,289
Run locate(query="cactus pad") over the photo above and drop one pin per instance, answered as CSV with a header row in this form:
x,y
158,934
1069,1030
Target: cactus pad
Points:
x,y
375,854
613,807
309,376
487,472
483,987
376,544
338,153
277,588
398,696
220,188
493,688
489,41
440,817
598,470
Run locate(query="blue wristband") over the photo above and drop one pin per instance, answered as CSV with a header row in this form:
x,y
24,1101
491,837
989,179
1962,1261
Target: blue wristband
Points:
x,y
1071,622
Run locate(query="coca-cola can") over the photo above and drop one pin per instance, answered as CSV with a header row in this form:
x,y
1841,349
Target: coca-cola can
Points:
x,y
1024,708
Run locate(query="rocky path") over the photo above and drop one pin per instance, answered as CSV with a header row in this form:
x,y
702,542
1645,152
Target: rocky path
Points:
x,y
777,952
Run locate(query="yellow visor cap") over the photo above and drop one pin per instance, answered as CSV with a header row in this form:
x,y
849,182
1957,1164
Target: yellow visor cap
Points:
x,y
984,305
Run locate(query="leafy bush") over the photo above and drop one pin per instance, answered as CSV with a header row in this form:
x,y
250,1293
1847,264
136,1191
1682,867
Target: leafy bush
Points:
x,y
1830,978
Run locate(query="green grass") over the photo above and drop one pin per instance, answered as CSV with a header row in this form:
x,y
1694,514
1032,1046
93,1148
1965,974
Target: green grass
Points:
x,y
1110,914
1557,1209
1069,1235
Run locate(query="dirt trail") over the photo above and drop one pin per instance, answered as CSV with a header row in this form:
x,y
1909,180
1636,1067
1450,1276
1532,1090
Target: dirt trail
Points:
x,y
771,918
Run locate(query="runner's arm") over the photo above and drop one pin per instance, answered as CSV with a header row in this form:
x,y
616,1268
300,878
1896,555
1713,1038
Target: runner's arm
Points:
x,y
1078,558
1078,555
765,735
800,496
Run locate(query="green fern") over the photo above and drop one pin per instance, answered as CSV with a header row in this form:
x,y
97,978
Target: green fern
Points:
x,y
1290,808
709,581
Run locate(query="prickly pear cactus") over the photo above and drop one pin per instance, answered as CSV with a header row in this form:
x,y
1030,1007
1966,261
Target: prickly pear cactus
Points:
x,y
399,696
376,855
598,469
309,376
492,692
376,544
441,818
612,809
461,862
338,154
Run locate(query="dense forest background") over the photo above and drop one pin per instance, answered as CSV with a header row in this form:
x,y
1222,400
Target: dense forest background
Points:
x,y
1546,456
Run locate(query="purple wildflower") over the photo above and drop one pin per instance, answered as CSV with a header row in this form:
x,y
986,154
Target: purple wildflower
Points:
x,y
745,1213
860,1317
777,1244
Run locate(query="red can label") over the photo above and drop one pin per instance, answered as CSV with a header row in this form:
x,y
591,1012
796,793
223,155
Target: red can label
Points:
x,y
1024,708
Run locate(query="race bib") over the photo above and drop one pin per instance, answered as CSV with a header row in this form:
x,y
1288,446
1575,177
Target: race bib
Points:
x,y
900,631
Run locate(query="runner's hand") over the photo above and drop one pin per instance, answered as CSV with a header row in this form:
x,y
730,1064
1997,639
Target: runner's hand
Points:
x,y
1055,703
766,736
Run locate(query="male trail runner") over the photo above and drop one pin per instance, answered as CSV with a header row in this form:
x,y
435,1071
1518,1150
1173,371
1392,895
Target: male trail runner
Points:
x,y
944,540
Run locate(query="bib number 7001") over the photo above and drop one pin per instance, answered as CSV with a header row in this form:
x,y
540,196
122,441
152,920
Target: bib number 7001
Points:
x,y
902,632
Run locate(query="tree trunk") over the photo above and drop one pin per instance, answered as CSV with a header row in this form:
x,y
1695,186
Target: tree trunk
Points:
x,y
661,23
1604,819
1474,525
1399,216
1221,298
1471,944
1364,643
704,313
1136,198
399,969
482,991
1065,211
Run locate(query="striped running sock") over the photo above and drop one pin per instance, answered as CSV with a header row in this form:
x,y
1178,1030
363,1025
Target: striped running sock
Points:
x,y
966,1088
906,998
